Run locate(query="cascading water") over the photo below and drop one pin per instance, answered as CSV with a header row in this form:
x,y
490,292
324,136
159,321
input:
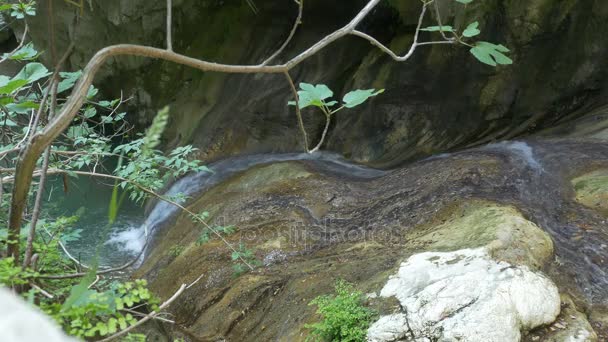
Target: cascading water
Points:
x,y
134,240
581,254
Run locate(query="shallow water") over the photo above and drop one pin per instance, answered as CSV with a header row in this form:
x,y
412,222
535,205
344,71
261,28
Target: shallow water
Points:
x,y
546,194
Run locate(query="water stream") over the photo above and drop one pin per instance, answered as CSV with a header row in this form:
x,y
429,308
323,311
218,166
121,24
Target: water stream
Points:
x,y
534,170
130,232
546,197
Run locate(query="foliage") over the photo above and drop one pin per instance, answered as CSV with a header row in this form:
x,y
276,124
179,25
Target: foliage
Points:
x,y
240,254
206,233
91,313
87,307
344,316
485,52
320,96
176,250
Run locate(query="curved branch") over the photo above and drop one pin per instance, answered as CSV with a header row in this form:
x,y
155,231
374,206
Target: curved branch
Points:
x,y
297,22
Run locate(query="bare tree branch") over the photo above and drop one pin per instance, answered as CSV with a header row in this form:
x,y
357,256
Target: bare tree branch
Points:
x,y
297,23
298,111
10,54
169,24
36,212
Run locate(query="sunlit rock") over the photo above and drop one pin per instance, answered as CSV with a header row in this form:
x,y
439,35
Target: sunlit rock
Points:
x,y
466,296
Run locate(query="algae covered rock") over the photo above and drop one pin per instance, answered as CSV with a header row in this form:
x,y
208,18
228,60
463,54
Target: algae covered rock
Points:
x,y
592,190
506,234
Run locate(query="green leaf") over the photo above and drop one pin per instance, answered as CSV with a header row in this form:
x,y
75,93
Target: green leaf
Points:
x,y
490,54
357,97
444,28
12,85
471,30
22,107
80,293
92,92
69,79
113,207
90,112
26,52
6,100
312,95
32,72
465,1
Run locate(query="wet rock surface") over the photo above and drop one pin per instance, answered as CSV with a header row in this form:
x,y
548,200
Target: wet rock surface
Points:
x,y
311,224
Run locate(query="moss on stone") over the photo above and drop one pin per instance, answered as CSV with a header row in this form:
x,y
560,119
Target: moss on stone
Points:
x,y
501,229
592,190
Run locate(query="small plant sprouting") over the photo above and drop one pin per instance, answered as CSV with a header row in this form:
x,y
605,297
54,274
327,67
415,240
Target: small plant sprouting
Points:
x,y
344,316
243,253
176,250
206,233
320,96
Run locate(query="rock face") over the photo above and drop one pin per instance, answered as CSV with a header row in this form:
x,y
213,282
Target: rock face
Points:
x,y
465,296
439,100
504,213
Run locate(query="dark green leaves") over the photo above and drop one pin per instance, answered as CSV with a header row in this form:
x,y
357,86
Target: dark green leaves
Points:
x,y
357,97
491,54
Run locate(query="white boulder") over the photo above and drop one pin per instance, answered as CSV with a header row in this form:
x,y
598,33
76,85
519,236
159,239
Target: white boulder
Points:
x,y
465,296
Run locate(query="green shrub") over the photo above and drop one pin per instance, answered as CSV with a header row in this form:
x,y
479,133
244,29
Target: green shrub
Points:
x,y
344,316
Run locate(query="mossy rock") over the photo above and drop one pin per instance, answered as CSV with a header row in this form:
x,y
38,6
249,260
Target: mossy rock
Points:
x,y
503,230
592,190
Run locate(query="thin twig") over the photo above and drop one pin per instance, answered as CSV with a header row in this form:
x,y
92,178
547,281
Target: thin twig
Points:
x,y
10,54
149,316
29,247
298,111
297,23
414,45
140,314
169,24
45,293
327,121
65,250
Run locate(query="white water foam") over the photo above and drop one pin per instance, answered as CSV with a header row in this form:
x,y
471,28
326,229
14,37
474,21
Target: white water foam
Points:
x,y
520,149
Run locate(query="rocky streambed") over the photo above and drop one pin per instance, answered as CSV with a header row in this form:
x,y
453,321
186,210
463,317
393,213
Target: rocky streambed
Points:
x,y
506,242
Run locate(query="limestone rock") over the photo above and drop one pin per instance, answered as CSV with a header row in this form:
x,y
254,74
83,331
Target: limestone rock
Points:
x,y
466,296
